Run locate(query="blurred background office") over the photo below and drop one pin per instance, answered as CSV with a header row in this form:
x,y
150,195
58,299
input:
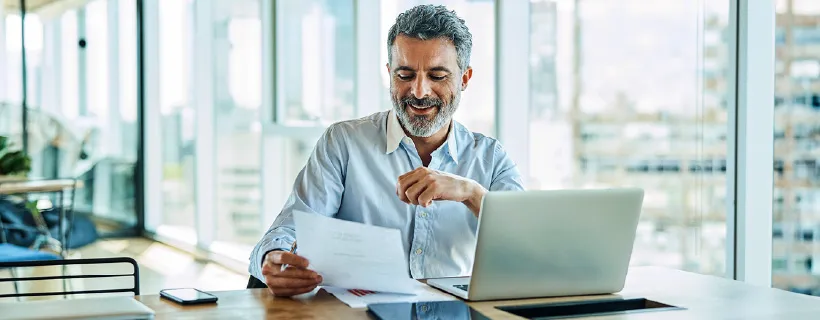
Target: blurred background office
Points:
x,y
187,120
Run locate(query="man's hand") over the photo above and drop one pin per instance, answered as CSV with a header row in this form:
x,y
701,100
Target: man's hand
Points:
x,y
295,280
423,185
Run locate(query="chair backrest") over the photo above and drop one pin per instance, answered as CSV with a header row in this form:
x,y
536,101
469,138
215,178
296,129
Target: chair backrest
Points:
x,y
67,262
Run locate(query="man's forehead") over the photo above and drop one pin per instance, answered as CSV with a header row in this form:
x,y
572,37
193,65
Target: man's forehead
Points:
x,y
436,51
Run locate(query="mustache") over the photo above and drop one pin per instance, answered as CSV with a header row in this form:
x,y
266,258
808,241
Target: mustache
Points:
x,y
424,102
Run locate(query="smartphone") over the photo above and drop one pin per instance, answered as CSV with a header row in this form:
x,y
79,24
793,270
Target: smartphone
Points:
x,y
187,296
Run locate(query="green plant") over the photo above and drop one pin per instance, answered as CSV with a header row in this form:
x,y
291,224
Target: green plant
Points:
x,y
13,162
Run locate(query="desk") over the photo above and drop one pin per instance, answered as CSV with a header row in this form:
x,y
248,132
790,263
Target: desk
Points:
x,y
702,297
37,186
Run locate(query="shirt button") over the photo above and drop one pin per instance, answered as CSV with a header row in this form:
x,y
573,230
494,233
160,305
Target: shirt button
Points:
x,y
424,214
418,251
424,308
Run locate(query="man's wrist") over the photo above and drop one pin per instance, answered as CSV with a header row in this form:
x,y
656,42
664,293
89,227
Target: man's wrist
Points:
x,y
473,202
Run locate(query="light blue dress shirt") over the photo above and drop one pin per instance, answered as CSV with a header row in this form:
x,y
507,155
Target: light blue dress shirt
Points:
x,y
352,175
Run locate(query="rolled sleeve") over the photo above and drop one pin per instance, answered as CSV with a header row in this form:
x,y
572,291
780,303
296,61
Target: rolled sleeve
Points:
x,y
505,173
318,189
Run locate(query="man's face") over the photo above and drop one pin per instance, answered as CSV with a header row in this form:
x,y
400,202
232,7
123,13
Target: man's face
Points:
x,y
425,84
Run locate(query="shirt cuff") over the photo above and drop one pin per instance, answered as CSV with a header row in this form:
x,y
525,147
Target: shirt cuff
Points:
x,y
281,243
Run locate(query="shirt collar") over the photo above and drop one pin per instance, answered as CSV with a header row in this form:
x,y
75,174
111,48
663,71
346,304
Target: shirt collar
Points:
x,y
395,134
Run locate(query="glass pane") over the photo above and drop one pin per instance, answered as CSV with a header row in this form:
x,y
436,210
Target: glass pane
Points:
x,y
14,61
178,119
476,110
108,167
797,101
633,93
70,51
237,43
241,228
315,49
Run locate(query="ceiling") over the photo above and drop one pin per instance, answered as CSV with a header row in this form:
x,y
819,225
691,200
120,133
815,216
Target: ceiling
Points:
x,y
31,5
43,7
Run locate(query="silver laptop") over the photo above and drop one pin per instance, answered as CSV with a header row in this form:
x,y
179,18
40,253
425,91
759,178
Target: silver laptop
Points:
x,y
550,243
108,308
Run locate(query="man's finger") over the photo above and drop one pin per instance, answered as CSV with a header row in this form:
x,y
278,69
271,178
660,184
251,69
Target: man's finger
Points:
x,y
293,291
414,191
400,193
282,257
288,283
407,182
412,172
413,176
426,198
296,273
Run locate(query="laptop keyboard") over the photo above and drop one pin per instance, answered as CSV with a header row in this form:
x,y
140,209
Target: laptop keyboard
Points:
x,y
462,286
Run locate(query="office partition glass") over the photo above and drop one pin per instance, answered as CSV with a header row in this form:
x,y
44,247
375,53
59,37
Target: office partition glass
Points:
x,y
633,93
796,211
237,51
477,108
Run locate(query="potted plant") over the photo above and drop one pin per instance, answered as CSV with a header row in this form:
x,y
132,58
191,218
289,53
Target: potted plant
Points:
x,y
13,163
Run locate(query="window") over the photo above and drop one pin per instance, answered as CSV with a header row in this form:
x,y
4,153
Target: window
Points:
x,y
178,119
77,84
316,68
797,85
14,61
633,93
237,49
315,54
476,110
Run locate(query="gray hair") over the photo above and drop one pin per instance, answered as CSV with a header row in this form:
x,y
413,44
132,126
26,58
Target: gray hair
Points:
x,y
429,22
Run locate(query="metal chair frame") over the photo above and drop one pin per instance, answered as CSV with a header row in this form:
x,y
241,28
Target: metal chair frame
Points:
x,y
135,274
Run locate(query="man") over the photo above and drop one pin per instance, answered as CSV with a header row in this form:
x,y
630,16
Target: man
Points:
x,y
411,168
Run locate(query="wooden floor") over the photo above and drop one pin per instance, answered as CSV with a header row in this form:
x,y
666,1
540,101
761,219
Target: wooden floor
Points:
x,y
160,267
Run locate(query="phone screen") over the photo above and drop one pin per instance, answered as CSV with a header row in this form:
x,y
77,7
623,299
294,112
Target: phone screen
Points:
x,y
188,294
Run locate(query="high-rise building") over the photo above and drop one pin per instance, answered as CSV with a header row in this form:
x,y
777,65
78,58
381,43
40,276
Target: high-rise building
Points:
x,y
796,225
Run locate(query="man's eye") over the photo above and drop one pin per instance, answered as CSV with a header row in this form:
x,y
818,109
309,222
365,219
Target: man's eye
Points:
x,y
438,78
404,76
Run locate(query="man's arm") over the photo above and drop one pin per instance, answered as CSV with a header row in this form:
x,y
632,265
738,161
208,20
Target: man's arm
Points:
x,y
318,189
423,185
505,173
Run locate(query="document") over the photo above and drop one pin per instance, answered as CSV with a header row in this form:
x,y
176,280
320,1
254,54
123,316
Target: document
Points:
x,y
352,255
361,298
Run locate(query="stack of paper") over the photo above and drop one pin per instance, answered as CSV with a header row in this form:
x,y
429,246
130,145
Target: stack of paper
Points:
x,y
360,264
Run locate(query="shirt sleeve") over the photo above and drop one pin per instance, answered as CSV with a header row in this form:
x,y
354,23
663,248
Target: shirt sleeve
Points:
x,y
505,173
318,189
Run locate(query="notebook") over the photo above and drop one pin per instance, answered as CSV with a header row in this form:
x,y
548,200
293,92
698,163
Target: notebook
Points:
x,y
109,308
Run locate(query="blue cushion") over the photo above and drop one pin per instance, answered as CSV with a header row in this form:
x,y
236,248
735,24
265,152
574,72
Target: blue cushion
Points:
x,y
12,253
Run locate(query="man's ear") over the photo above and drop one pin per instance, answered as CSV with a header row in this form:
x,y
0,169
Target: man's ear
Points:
x,y
465,78
387,66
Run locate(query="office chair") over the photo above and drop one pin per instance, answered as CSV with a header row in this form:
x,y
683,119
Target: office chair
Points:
x,y
20,264
254,283
12,253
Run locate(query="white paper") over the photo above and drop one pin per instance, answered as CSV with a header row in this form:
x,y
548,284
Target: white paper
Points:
x,y
357,299
352,255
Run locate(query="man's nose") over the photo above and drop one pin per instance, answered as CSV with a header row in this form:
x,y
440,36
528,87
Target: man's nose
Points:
x,y
421,88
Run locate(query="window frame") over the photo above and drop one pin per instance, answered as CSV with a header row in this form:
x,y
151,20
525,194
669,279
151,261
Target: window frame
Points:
x,y
750,137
